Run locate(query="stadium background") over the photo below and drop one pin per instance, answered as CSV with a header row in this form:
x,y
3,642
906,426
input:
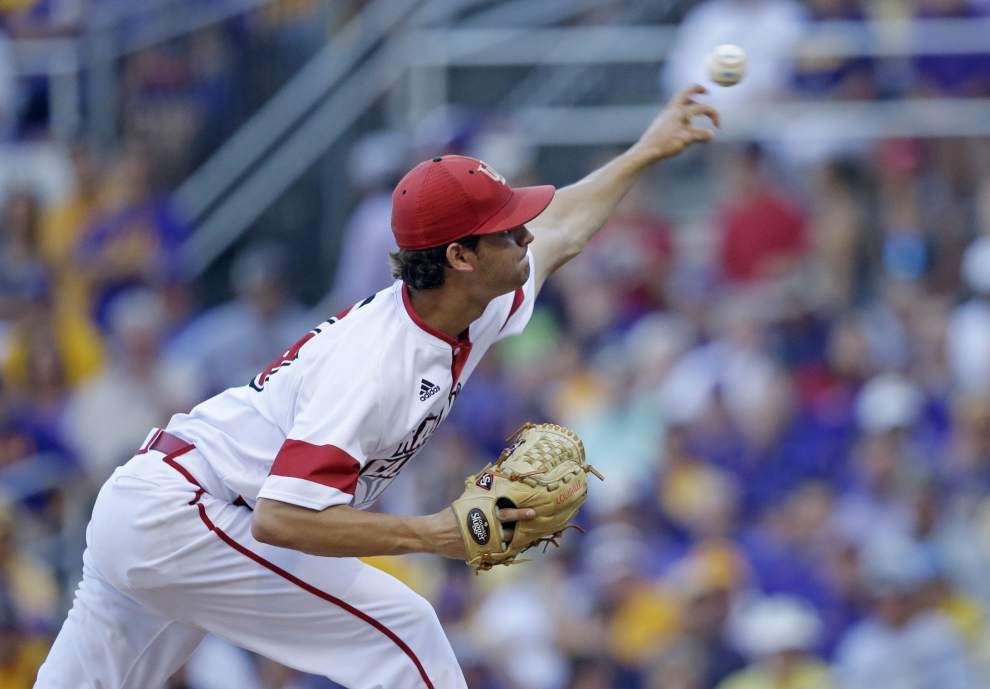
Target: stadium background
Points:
x,y
778,351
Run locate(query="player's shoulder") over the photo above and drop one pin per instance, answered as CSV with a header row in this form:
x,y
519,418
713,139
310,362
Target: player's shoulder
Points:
x,y
363,327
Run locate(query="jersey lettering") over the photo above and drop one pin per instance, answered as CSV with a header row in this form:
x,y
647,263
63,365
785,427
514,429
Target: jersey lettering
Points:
x,y
290,355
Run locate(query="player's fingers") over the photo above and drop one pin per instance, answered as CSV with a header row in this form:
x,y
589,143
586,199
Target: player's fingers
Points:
x,y
705,110
701,135
510,514
686,96
507,535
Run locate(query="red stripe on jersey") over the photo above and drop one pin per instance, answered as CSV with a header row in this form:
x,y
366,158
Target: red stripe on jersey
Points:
x,y
323,464
517,300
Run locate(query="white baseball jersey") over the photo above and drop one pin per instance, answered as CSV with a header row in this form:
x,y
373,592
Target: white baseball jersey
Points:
x,y
337,416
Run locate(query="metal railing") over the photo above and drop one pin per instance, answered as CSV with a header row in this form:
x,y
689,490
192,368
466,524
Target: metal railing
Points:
x,y
499,46
261,160
284,112
425,53
584,47
99,44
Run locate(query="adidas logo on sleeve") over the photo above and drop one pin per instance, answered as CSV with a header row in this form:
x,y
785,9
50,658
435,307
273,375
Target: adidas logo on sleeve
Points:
x,y
427,390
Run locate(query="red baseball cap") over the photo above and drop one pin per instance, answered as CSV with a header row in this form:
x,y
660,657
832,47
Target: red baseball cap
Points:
x,y
452,196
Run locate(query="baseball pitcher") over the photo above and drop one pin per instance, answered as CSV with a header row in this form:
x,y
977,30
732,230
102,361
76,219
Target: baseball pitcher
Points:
x,y
246,516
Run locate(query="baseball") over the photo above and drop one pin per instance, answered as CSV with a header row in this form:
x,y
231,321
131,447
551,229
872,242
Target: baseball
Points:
x,y
726,64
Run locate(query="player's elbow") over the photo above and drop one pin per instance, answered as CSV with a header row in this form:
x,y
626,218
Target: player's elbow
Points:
x,y
269,526
570,249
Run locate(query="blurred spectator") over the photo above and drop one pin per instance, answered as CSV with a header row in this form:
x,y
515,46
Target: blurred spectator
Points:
x,y
887,403
592,673
887,463
136,238
40,166
792,551
678,667
906,252
41,402
230,343
30,317
631,260
63,222
108,417
375,164
837,227
707,580
632,615
22,274
20,654
762,230
68,337
967,466
25,584
514,628
902,626
698,499
779,635
968,333
170,92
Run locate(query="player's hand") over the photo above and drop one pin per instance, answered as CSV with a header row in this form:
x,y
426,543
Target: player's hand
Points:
x,y
445,535
673,129
509,516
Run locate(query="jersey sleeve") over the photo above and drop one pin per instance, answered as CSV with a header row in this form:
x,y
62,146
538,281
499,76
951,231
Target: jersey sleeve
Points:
x,y
517,308
335,426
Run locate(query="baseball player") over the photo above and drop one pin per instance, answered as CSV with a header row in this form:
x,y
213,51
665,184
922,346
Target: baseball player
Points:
x,y
246,516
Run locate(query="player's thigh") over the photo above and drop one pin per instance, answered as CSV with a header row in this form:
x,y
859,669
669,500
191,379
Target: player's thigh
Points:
x,y
336,617
111,641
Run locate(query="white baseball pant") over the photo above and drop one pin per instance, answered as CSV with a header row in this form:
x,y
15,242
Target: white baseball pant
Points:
x,y
167,562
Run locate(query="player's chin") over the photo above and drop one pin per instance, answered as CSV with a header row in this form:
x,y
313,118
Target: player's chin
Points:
x,y
517,281
524,269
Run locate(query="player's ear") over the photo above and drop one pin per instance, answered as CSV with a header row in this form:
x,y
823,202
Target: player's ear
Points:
x,y
461,258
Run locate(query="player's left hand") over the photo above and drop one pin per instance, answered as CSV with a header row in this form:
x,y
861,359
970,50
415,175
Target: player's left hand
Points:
x,y
672,130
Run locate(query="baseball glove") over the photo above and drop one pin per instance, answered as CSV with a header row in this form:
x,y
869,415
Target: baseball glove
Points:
x,y
544,470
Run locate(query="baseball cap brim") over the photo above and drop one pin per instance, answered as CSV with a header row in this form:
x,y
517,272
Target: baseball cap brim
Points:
x,y
525,204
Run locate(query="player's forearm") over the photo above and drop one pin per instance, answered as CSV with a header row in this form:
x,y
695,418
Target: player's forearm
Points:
x,y
580,210
585,206
343,531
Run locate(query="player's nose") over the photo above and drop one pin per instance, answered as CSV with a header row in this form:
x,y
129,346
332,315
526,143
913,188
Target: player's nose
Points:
x,y
524,236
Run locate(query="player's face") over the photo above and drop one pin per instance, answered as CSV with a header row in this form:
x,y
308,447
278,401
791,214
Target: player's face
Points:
x,y
503,258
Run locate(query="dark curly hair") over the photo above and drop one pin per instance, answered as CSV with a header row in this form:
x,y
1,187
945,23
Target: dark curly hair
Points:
x,y
425,268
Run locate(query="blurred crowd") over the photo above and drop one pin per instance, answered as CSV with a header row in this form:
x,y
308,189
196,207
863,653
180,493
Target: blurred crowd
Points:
x,y
778,355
